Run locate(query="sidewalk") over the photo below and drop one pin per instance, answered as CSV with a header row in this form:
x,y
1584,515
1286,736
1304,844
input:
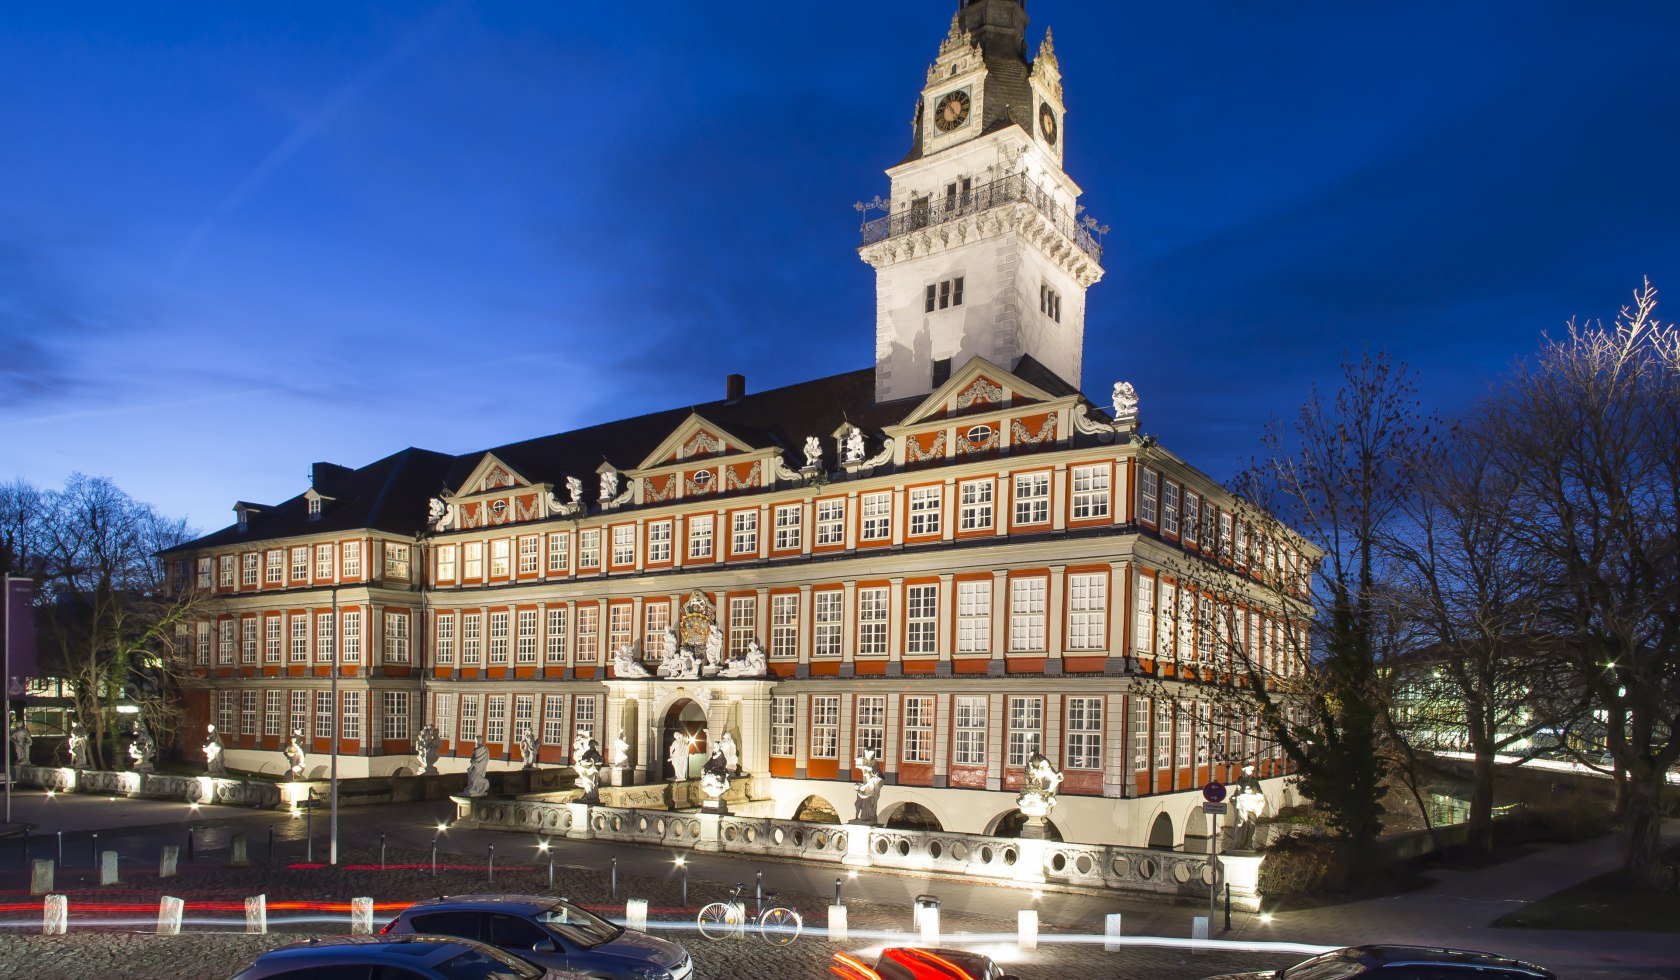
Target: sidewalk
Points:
x,y
1460,907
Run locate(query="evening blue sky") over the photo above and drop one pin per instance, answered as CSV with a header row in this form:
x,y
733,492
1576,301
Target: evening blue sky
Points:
x,y
238,238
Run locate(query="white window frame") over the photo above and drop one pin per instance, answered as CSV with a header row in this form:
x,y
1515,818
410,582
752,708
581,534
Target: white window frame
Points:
x,y
1026,729
589,548
393,716
790,527
396,637
445,718
977,505
472,639
825,726
525,640
350,560
588,631
659,543
559,552
351,625
870,729
1032,498
918,730
968,719
623,545
1087,611
702,530
446,562
501,645
501,557
1028,614
743,533
1090,491
974,616
1169,508
743,622
554,719
554,643
874,610
831,522
784,626
1148,496
921,624
828,614
926,511
1082,747
782,726
472,561
1144,616
530,554
875,510
445,643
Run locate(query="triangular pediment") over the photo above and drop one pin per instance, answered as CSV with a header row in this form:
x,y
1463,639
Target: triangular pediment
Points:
x,y
977,385
490,475
695,438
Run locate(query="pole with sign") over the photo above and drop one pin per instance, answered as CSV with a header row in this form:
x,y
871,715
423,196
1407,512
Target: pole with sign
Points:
x,y
17,639
1214,796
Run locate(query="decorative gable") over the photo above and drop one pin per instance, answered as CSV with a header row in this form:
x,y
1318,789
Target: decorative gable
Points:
x,y
977,386
489,476
695,439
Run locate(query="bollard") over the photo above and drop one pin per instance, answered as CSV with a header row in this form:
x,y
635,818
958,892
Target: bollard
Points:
x,y
434,855
837,900
256,915
241,851
491,865
108,867
614,878
41,876
169,916
837,923
382,853
685,885
1199,932
758,891
93,845
1026,928
167,860
271,845
1227,906
551,871
927,919
635,914
55,916
189,845
61,848
1111,932
361,917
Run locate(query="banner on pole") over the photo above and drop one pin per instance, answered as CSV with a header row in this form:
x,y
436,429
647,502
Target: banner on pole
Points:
x,y
18,608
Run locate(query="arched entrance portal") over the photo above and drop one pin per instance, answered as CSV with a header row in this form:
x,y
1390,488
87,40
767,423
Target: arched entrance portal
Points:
x,y
1011,824
685,719
912,816
815,809
1161,833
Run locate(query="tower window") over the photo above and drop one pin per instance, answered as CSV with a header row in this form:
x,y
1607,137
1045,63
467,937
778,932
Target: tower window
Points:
x,y
941,295
1049,302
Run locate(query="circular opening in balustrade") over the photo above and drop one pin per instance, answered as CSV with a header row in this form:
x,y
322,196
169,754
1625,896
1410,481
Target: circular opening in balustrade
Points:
x,y
642,824
881,846
1208,874
618,824
959,851
1058,861
777,836
659,826
1083,864
820,839
730,834
935,849
751,834
1122,867
903,848
1146,868
1181,873
986,855
1010,856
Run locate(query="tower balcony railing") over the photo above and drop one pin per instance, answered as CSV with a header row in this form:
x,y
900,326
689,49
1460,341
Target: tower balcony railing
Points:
x,y
1014,188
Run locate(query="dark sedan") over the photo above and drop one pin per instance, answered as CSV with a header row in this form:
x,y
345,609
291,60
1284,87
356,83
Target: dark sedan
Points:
x,y
393,958
551,932
1402,963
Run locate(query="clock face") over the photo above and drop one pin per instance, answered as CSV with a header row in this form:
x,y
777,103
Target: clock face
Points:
x,y
952,111
1047,123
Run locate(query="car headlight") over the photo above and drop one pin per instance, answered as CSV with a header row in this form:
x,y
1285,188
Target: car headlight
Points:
x,y
650,973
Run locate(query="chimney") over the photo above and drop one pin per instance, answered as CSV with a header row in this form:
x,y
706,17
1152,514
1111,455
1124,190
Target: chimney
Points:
x,y
321,475
734,387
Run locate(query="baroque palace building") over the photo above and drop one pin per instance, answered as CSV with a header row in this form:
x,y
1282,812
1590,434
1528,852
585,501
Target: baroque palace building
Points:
x,y
952,557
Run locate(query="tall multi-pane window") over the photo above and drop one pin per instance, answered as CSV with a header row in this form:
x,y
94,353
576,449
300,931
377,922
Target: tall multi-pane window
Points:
x,y
1163,733
829,607
524,714
1225,536
974,617
397,564
1165,635
1205,633
396,638
877,516
248,569
248,641
299,719
969,716
1090,491
1032,498
1144,620
588,632
498,639
1084,733
1026,729
555,650
202,643
274,711
743,532
784,625
623,545
446,562
781,726
530,554
1192,518
351,727
472,560
469,717
700,528
924,510
501,556
446,639
825,726
620,626
872,622
224,642
584,723
1148,496
350,560
274,572
554,719
659,542
525,649
472,639
228,569
206,572
918,730
300,639
393,716
495,719
1027,614
1181,743
559,552
1137,710
656,621
974,499
1204,732
1087,612
445,717
225,712
1169,508
743,623
323,637
831,522
589,548
1186,624
271,640
323,561
790,527
248,712
300,563
352,636
324,714
871,723
921,628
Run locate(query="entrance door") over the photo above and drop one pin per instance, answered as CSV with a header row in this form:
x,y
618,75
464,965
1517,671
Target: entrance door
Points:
x,y
686,720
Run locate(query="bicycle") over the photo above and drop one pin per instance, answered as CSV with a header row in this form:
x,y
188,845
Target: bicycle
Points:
x,y
778,925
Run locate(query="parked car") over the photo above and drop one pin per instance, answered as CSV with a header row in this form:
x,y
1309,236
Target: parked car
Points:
x,y
393,958
550,932
1402,963
914,963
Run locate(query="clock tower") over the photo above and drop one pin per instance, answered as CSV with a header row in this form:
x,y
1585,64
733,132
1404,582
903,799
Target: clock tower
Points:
x,y
981,250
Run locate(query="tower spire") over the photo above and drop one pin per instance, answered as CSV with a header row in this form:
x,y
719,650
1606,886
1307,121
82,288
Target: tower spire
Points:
x,y
999,25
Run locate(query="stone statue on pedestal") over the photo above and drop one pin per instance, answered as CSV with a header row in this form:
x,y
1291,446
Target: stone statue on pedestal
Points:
x,y
677,756
1038,796
714,781
426,751
714,651
675,662
528,747
588,767
142,751
752,663
477,783
214,763
626,663
22,741
77,745
295,755
1248,804
731,754
868,786
620,750
813,452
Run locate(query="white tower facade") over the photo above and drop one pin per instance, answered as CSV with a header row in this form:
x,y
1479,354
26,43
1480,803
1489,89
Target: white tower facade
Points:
x,y
982,251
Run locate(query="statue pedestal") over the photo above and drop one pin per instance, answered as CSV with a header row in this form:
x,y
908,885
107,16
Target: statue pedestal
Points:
x,y
708,840
857,844
1030,868
463,811
1034,829
621,776
717,805
579,829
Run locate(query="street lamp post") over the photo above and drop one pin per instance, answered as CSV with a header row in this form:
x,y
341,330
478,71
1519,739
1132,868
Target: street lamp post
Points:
x,y
337,735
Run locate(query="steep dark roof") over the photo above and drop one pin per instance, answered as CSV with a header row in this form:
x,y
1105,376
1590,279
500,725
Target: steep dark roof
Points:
x,y
387,495
1000,26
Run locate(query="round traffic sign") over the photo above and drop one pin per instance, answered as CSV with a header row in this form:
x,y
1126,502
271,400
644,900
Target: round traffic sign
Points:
x,y
1214,791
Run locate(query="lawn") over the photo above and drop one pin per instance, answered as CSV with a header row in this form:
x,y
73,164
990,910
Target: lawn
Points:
x,y
1603,903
